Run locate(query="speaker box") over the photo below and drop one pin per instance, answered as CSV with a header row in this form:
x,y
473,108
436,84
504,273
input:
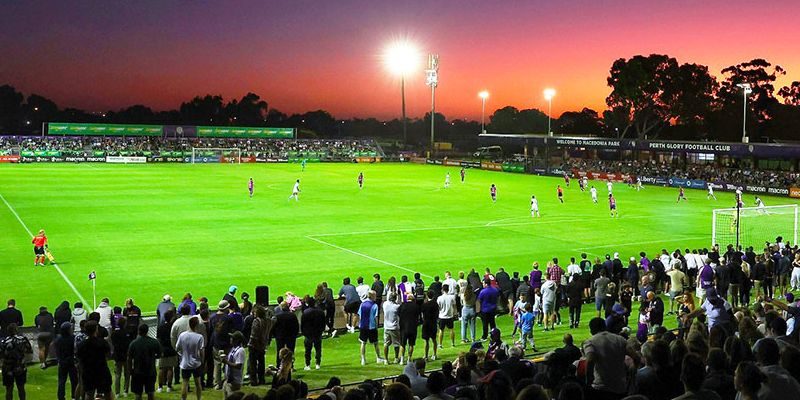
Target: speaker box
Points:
x,y
262,296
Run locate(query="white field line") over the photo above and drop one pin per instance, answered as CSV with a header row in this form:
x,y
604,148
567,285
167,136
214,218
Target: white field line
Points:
x,y
60,272
642,242
364,255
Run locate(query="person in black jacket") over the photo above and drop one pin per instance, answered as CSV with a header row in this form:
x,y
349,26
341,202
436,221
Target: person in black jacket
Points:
x,y
9,316
312,325
65,354
45,325
63,313
285,331
506,289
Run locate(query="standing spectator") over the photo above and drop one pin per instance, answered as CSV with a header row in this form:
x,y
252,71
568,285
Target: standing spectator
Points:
x,y
10,316
405,288
182,324
285,331
165,305
169,357
391,287
678,282
408,318
368,327
312,326
328,305
600,290
362,289
208,354
45,325
656,306
62,314
468,314
221,327
391,327
487,299
352,302
14,348
65,355
93,354
187,301
246,306
106,314
506,289
230,297
234,365
378,287
430,315
257,345
133,315
121,340
447,314
451,283
190,347
632,274
605,357
575,290
526,327
142,354
549,298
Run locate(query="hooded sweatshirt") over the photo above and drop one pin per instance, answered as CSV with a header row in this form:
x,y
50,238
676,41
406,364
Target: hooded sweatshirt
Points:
x,y
78,315
105,312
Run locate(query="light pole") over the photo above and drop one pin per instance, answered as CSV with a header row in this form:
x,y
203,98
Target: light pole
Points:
x,y
746,89
401,58
548,95
432,80
483,95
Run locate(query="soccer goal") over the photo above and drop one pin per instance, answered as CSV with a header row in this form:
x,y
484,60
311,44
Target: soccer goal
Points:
x,y
229,155
753,226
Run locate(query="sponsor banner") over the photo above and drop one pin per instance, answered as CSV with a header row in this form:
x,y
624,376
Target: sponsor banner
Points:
x,y
513,167
688,183
556,171
588,142
654,180
271,160
417,160
454,163
245,132
794,192
367,159
433,162
470,164
539,171
72,129
249,159
491,166
9,159
125,160
205,159
180,131
601,176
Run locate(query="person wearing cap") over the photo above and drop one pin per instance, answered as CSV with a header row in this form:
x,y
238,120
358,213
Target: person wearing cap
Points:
x,y
221,327
142,355
717,310
233,361
615,321
165,305
230,297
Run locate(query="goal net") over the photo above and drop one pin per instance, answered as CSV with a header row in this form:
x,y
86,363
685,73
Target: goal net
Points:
x,y
753,226
204,155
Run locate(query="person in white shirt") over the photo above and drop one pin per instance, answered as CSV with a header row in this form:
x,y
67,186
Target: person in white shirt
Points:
x,y
451,284
295,191
762,208
362,289
609,185
711,192
638,184
391,328
234,363
593,191
447,181
447,314
573,269
534,207
190,347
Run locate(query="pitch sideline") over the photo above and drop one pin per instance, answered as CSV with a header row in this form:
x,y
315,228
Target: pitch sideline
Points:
x,y
58,269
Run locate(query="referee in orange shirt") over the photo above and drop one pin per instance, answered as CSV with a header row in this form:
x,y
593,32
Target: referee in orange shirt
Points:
x,y
39,245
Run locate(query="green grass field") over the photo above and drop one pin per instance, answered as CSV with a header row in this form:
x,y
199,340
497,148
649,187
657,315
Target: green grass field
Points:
x,y
154,229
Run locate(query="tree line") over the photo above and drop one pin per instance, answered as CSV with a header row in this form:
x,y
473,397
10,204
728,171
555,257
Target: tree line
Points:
x,y
651,96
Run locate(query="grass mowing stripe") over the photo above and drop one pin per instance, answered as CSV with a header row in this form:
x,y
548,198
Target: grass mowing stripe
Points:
x,y
365,256
60,272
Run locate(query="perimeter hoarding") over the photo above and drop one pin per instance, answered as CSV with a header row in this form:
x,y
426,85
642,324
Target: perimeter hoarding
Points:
x,y
240,132
74,129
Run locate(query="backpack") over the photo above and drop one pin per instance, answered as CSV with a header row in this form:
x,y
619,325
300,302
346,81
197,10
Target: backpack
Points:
x,y
419,290
13,350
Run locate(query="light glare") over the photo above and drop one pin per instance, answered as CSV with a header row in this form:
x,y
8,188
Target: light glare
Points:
x,y
549,94
483,94
401,57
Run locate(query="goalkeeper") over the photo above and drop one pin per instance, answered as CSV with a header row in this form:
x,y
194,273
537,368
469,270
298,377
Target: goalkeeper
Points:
x,y
39,246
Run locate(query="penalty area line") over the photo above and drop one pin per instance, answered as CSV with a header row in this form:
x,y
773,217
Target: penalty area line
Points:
x,y
320,241
55,265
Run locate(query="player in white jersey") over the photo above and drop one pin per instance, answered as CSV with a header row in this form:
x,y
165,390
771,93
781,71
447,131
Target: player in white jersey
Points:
x,y
534,207
295,191
609,185
447,181
711,192
638,184
762,208
593,191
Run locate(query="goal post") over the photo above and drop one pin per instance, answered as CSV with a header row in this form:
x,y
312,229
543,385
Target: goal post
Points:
x,y
753,226
227,155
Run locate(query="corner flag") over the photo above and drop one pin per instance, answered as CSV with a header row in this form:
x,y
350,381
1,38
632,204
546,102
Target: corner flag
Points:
x,y
92,276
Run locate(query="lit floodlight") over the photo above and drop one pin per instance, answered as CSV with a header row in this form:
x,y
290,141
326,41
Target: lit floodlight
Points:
x,y
549,94
401,57
483,94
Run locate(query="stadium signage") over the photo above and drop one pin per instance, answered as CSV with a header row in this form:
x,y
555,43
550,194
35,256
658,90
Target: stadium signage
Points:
x,y
778,190
125,160
491,166
713,148
245,132
72,129
654,180
755,189
687,183
588,142
9,159
794,192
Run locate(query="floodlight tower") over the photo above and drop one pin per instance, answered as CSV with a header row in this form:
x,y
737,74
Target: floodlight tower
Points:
x,y
401,58
483,95
548,95
432,80
746,90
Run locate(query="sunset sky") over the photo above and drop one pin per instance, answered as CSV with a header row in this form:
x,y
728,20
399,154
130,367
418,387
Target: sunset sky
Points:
x,y
302,55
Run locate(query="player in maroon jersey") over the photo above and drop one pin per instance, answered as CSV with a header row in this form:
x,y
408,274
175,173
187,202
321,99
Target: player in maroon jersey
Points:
x,y
493,192
360,180
612,205
681,194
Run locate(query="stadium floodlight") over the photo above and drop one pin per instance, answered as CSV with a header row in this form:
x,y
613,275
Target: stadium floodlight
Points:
x,y
432,80
746,89
401,58
483,94
549,93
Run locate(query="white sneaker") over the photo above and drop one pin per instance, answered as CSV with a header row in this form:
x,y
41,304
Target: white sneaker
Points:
x,y
380,360
158,390
402,361
333,334
384,361
169,389
307,368
433,358
317,367
363,361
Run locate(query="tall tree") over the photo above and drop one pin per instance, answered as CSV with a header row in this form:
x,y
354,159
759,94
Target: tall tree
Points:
x,y
10,108
761,76
584,123
791,94
206,110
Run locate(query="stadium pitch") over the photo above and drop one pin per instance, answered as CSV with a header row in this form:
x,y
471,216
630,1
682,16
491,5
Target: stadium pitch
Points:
x,y
148,230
